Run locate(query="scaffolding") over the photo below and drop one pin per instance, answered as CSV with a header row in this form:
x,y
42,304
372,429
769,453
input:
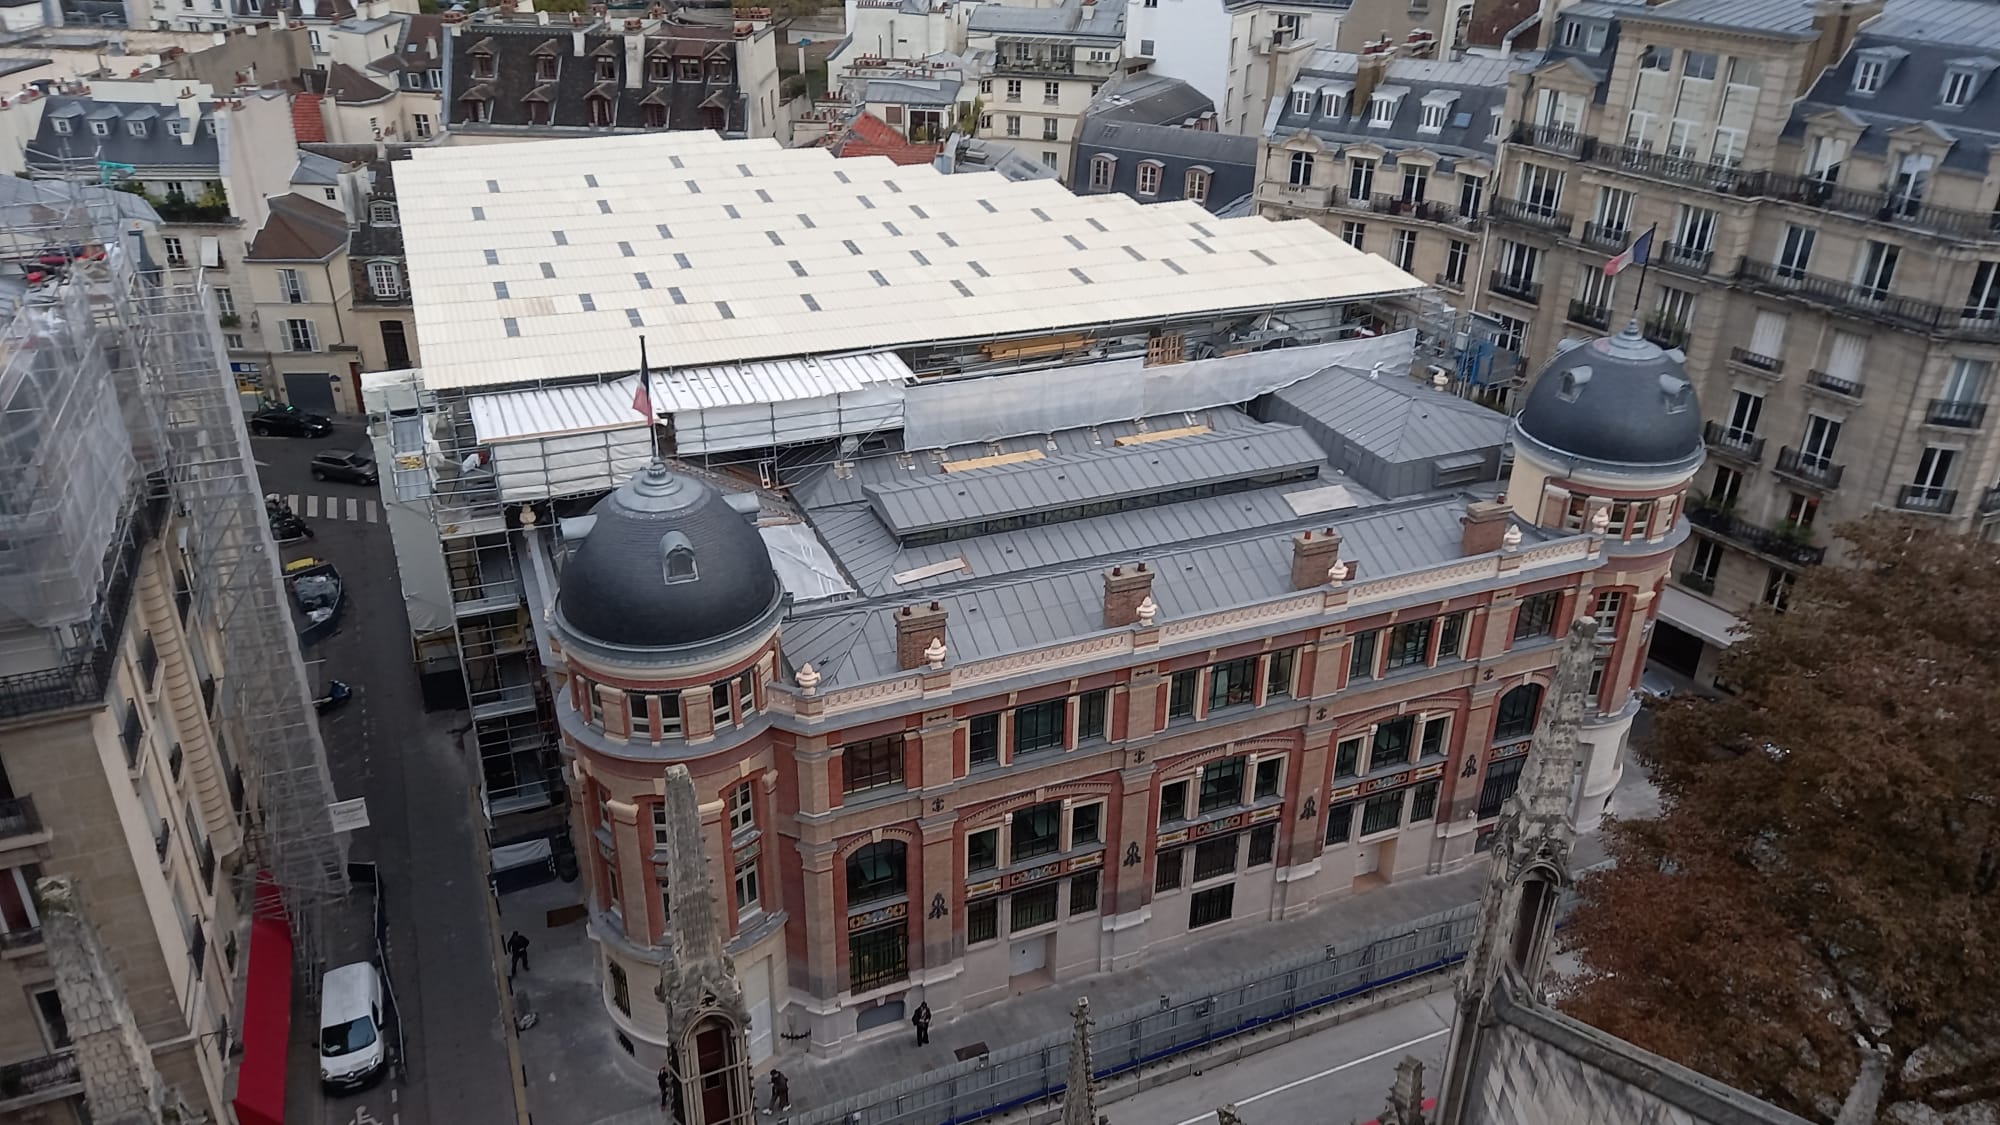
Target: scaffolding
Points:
x,y
115,400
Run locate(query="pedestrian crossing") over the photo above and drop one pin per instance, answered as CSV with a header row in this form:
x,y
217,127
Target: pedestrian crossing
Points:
x,y
350,508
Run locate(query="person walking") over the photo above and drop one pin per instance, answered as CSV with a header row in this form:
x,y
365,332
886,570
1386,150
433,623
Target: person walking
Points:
x,y
666,1085
517,953
922,1021
781,1092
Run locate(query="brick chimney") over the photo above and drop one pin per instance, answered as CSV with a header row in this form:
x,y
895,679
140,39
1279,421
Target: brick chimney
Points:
x,y
1313,554
916,627
1124,588
1485,522
1368,74
1834,24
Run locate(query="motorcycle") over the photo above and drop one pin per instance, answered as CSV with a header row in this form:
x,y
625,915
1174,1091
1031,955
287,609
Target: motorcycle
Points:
x,y
286,526
336,697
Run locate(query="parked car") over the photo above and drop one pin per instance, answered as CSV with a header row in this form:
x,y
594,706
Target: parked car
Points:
x,y
355,468
289,421
351,1050
1654,684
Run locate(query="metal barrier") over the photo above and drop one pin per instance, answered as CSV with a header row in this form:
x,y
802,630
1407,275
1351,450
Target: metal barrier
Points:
x,y
1035,1071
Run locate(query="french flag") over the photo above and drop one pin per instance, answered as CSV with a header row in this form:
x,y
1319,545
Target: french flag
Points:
x,y
1639,253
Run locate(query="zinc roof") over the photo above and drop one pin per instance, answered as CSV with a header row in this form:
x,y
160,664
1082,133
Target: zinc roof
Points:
x,y
525,270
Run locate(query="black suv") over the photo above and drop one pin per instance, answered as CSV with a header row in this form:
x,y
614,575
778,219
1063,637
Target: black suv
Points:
x,y
356,468
289,421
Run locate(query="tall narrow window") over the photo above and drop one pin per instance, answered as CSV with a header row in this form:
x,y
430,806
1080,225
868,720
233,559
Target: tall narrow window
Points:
x,y
1301,169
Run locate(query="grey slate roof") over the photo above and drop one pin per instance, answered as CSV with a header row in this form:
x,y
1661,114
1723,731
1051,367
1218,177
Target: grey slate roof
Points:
x,y
1148,99
1106,20
158,149
1615,403
1480,85
1058,482
914,91
1930,35
317,170
1786,18
1392,435
1230,160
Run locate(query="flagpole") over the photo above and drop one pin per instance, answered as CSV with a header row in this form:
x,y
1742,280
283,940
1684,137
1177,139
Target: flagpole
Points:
x,y
645,394
1644,264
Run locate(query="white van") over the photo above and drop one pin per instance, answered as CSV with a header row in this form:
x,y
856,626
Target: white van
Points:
x,y
351,1051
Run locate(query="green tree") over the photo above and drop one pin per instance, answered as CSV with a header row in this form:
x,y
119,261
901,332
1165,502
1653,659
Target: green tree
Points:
x,y
1825,871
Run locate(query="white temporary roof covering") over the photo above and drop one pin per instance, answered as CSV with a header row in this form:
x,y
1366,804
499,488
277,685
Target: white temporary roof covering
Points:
x,y
552,262
1704,619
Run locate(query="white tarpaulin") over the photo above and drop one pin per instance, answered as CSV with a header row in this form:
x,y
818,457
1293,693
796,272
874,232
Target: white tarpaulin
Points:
x,y
991,407
1706,620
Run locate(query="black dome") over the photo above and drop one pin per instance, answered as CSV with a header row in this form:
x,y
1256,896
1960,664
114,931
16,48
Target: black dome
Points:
x,y
667,563
1619,401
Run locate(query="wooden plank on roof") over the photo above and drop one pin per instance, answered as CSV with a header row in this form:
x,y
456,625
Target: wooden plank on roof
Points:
x,y
997,459
1160,435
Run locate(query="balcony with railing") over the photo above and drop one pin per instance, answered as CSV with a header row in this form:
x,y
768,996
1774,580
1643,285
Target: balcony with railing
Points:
x,y
1549,138
1515,286
21,940
1834,384
1870,302
1879,206
1809,468
1723,178
1785,546
1455,284
132,735
83,681
149,660
206,860
1666,330
18,821
34,1081
1535,216
1589,315
1683,258
1732,442
1304,196
162,836
1769,366
1928,499
1422,210
1606,237
1955,413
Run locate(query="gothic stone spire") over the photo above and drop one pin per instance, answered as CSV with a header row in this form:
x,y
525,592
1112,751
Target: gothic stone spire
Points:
x,y
1530,862
700,974
1080,1099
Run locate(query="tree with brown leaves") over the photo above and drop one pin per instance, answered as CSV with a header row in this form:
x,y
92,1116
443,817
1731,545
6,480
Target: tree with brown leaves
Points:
x,y
1825,870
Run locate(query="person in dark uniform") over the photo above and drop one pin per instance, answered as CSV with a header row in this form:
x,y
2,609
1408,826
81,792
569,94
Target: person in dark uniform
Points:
x,y
517,953
922,1021
781,1092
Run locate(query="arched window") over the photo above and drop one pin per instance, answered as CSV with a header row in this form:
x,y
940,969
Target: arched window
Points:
x,y
1516,715
1197,185
1302,169
876,871
1101,169
679,555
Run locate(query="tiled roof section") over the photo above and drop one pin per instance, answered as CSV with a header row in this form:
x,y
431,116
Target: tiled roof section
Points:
x,y
421,35
869,135
1395,437
374,240
307,124
349,86
298,230
159,147
1918,43
681,76
913,91
1476,88
1785,18
316,169
1101,19
1199,145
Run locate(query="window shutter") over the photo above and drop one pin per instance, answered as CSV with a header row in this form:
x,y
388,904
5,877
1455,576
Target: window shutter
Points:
x,y
1768,338
1845,362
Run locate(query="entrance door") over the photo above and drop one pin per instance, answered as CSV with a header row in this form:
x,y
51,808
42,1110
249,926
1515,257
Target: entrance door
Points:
x,y
1675,648
310,391
757,998
1367,860
1030,956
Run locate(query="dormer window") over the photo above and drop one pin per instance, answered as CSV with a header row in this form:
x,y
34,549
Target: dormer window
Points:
x,y
718,70
545,69
1302,101
208,126
659,70
607,70
1573,382
1958,88
690,70
482,64
60,125
176,127
1493,130
100,128
1330,105
382,213
136,128
1433,119
679,556
1381,111
1867,76
600,109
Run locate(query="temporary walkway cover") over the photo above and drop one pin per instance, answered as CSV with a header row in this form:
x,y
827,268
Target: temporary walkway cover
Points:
x,y
267,1012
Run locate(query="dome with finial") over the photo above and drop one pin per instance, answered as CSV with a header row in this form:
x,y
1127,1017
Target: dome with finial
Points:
x,y
667,563
1618,403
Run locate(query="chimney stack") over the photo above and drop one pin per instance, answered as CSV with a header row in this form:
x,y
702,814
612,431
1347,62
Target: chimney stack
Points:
x,y
1486,523
1124,589
916,628
1313,554
1368,74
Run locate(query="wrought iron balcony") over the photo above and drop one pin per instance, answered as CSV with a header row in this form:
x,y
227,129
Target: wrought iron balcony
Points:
x,y
39,1080
1299,195
26,938
1880,206
1990,502
1539,216
1809,468
1928,499
1955,413
1667,331
1611,238
1549,138
1833,384
149,660
1455,284
1684,259
19,818
1422,210
1515,286
1730,441
132,735
175,757
1867,301
1673,169
1589,315
207,862
1764,541
1762,364
162,836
